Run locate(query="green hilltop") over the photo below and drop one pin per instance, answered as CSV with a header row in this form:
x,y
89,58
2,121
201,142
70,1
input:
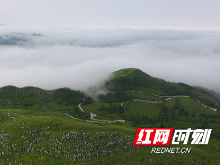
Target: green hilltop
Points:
x,y
136,80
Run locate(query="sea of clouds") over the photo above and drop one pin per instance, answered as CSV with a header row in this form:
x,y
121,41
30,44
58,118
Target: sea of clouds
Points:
x,y
53,57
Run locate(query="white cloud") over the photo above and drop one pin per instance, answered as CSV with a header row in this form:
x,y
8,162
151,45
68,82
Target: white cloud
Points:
x,y
80,57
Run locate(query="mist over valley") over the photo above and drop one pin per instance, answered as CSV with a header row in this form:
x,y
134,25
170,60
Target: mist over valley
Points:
x,y
53,57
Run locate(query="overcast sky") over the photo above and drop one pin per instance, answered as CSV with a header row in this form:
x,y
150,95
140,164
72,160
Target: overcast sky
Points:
x,y
78,43
145,13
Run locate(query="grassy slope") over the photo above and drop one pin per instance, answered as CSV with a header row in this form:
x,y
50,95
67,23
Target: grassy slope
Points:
x,y
150,110
192,106
46,139
51,138
122,73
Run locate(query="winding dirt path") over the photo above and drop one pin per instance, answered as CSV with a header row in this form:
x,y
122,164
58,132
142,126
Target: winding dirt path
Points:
x,y
206,106
173,97
80,107
92,115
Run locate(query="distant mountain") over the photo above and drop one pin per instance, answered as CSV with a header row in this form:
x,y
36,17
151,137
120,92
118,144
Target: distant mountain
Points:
x,y
13,97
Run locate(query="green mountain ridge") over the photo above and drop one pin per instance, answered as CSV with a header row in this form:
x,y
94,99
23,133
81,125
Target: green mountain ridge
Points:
x,y
135,79
122,81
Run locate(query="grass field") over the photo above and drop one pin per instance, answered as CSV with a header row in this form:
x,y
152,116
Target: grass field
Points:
x,y
151,110
30,137
170,103
106,116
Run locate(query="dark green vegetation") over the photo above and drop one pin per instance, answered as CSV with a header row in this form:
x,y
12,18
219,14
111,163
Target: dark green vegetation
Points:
x,y
13,97
49,127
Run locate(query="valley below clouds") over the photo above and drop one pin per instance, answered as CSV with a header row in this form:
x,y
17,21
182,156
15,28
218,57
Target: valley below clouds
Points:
x,y
54,57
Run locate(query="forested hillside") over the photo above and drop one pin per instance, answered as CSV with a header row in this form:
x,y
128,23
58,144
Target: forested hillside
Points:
x,y
13,97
